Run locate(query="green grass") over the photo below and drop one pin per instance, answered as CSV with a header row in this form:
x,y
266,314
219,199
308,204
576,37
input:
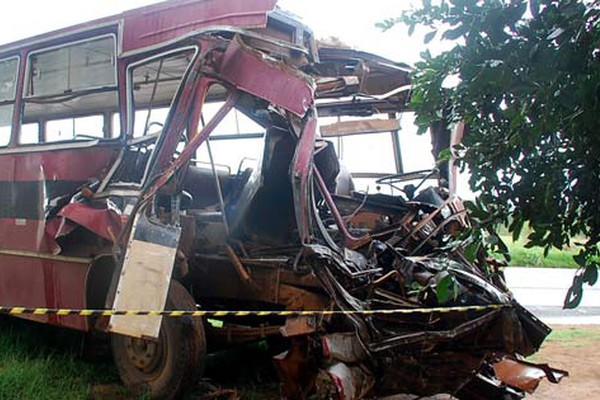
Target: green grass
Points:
x,y
574,336
34,368
569,337
534,257
40,362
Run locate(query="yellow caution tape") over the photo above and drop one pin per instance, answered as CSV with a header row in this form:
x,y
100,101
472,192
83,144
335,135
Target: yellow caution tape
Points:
x,y
242,313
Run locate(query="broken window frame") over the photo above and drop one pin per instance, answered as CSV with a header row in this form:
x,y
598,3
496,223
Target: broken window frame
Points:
x,y
128,87
198,138
129,84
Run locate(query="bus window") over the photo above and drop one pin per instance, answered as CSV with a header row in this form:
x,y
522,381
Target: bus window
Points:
x,y
8,79
156,120
115,130
370,153
30,133
75,128
236,154
237,142
65,85
153,85
5,124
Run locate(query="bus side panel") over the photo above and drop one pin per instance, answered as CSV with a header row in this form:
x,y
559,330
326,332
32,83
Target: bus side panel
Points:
x,y
28,183
23,284
69,284
39,283
23,234
37,178
76,164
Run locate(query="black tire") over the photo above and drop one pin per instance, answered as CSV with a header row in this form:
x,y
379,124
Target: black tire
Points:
x,y
168,368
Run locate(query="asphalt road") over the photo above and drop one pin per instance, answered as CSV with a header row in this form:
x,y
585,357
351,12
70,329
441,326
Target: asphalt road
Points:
x,y
542,291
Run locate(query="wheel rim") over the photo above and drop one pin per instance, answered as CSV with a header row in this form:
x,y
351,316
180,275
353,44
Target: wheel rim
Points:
x,y
146,356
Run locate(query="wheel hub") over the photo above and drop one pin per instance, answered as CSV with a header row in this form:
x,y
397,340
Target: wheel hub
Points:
x,y
145,355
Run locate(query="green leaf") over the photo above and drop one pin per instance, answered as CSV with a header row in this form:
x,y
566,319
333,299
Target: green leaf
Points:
x,y
471,251
411,29
580,259
444,155
429,36
446,288
453,34
421,129
516,228
575,293
590,275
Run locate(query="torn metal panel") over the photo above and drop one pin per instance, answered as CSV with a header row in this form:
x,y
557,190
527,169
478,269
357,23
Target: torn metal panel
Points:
x,y
105,222
345,86
378,75
301,170
384,86
250,71
525,375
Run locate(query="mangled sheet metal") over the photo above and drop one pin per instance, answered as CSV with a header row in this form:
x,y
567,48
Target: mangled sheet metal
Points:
x,y
409,259
525,375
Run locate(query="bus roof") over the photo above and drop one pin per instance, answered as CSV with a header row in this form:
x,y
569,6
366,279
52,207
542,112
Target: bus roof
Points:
x,y
161,23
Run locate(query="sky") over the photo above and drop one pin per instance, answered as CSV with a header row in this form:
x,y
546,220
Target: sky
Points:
x,y
352,21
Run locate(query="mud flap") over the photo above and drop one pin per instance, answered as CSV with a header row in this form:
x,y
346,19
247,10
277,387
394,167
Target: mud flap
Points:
x,y
144,280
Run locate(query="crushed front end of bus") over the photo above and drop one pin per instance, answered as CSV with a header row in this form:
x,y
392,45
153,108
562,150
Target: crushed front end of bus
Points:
x,y
411,312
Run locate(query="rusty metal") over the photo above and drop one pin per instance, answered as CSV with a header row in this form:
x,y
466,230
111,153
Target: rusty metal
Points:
x,y
359,127
526,375
296,326
239,267
297,370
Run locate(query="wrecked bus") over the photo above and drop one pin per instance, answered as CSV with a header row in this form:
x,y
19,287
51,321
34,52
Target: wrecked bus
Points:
x,y
119,193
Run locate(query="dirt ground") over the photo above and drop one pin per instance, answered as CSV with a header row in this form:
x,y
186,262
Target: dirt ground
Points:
x,y
575,349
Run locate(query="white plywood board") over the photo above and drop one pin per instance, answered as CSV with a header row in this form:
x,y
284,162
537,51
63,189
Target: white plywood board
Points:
x,y
143,285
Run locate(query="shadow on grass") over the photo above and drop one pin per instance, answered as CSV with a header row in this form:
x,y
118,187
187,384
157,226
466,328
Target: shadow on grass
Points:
x,y
248,369
42,362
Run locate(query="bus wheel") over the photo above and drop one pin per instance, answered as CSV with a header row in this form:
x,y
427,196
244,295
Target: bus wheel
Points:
x,y
170,366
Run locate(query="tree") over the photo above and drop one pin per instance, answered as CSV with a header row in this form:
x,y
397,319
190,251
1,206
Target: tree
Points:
x,y
529,92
